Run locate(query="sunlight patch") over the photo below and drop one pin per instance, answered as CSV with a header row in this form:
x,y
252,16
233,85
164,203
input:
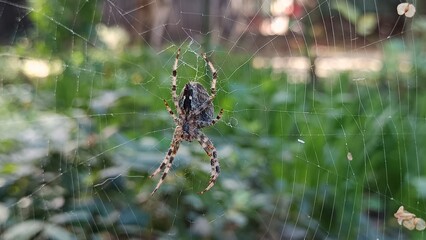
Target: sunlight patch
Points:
x,y
115,38
39,68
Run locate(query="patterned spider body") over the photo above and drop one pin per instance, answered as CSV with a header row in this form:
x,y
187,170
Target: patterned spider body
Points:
x,y
195,110
192,97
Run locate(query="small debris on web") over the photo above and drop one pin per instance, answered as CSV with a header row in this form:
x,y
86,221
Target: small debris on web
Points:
x,y
409,220
349,156
406,9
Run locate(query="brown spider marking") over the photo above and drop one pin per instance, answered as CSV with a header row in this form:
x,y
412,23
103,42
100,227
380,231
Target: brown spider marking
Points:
x,y
195,111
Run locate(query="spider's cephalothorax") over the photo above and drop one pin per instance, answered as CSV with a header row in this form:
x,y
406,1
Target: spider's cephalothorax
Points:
x,y
195,110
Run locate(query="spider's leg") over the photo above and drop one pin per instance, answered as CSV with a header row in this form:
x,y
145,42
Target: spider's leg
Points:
x,y
167,166
168,159
202,124
213,89
171,111
164,162
174,80
214,162
214,73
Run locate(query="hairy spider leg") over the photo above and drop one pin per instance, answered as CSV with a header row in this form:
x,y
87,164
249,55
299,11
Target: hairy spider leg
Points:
x,y
214,162
172,150
175,119
202,124
166,164
174,80
212,89
214,73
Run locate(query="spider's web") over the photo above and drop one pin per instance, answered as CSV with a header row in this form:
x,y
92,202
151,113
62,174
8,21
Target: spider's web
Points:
x,y
322,134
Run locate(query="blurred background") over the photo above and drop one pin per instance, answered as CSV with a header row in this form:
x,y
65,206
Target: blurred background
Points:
x,y
322,136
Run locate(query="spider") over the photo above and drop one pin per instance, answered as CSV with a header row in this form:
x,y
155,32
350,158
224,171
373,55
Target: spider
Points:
x,y
195,110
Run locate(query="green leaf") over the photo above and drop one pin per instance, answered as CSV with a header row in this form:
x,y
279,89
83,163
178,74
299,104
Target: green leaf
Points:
x,y
52,231
23,231
71,217
347,10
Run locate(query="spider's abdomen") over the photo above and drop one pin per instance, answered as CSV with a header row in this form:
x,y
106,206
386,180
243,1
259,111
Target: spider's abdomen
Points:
x,y
192,98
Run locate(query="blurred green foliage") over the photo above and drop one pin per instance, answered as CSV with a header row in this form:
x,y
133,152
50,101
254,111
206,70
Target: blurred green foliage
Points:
x,y
62,26
334,161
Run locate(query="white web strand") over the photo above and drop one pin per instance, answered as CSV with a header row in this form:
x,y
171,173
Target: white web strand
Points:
x,y
275,141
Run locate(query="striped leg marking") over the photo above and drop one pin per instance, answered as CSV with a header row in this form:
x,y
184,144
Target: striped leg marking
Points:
x,y
213,88
166,164
214,162
174,81
175,119
214,73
